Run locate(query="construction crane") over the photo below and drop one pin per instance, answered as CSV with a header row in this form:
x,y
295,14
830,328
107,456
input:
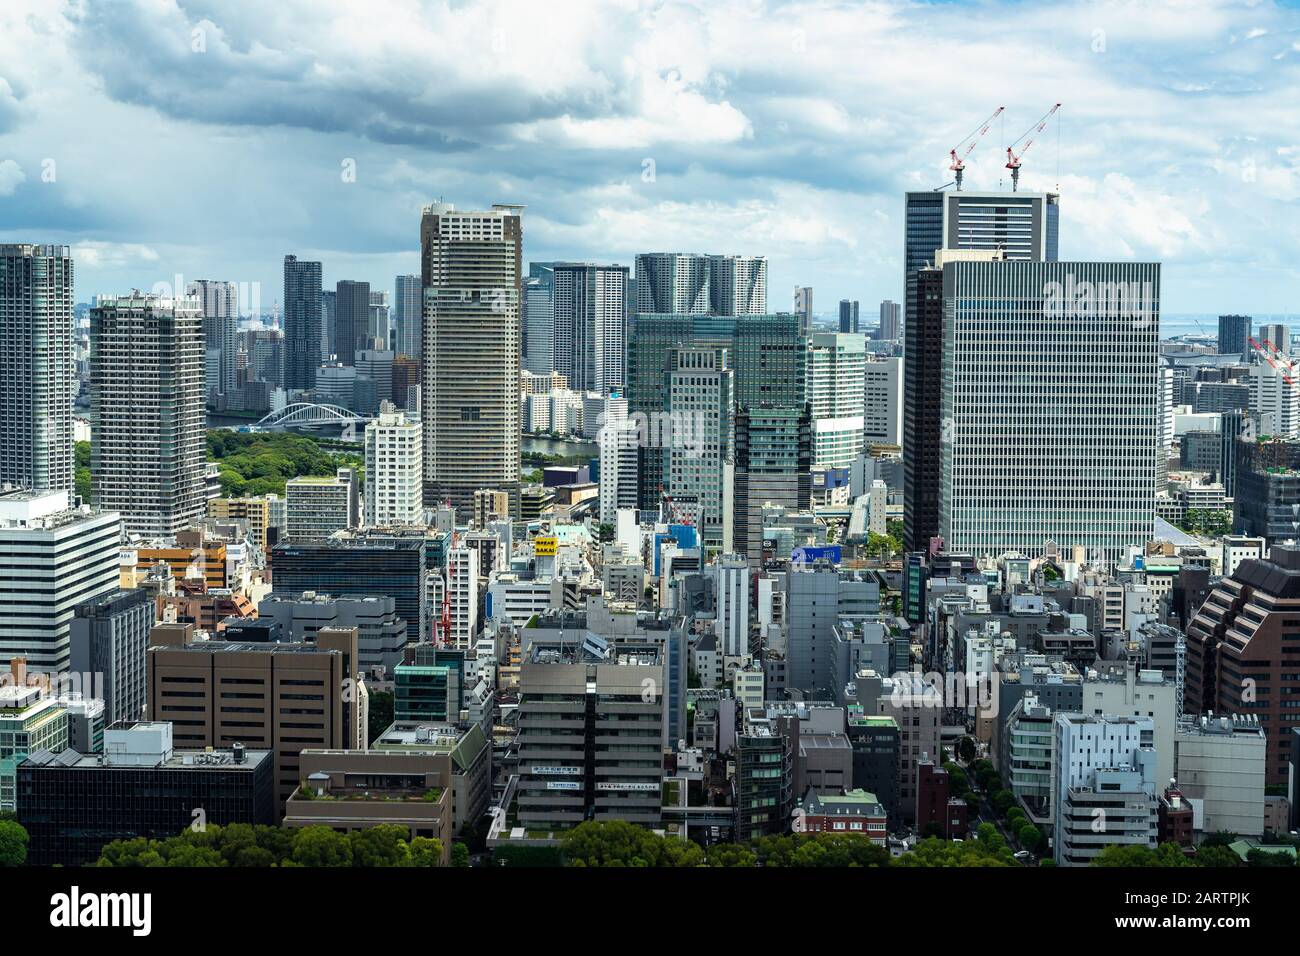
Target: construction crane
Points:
x,y
1013,158
668,510
958,164
1284,369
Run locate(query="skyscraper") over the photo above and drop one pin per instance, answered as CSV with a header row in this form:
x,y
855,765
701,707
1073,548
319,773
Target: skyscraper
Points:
x,y
590,325
1050,406
302,323
36,351
699,459
219,303
981,225
692,284
394,465
470,268
146,378
891,316
406,315
351,319
922,421
1234,334
849,316
539,319
803,307
1276,335
836,364
52,558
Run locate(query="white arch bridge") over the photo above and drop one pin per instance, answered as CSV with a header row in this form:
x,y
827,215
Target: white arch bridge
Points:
x,y
309,415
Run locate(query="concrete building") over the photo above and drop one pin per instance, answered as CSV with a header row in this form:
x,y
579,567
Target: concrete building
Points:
x,y
618,439
836,394
292,697
146,379
73,804
407,312
1237,644
692,284
39,381
699,459
1095,490
52,559
730,575
317,507
110,637
469,752
1104,771
579,761
304,323
1133,692
1220,765
882,407
891,321
539,320
470,268
219,306
917,708
589,323
381,632
30,721
394,469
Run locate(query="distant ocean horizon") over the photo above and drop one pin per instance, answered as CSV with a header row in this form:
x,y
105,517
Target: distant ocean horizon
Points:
x,y
1176,324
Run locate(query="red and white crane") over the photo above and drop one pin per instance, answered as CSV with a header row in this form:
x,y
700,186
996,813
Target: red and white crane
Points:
x,y
958,163
1013,158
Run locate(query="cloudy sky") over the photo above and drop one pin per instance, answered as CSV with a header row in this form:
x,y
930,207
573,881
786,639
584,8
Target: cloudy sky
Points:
x,y
207,138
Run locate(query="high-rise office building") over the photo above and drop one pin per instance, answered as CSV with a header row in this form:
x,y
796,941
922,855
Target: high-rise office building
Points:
x,y
219,304
891,321
617,439
406,315
882,404
303,323
699,460
327,298
694,284
110,637
351,319
1277,336
922,418
52,559
849,316
836,392
803,307
146,378
1014,226
378,334
767,357
589,338
39,378
1234,335
470,268
539,319
394,467
1050,406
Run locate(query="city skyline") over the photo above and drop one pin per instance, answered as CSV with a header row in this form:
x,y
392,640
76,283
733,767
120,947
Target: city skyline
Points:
x,y
674,147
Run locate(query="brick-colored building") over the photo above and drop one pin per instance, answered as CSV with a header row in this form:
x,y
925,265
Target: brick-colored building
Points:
x,y
1243,650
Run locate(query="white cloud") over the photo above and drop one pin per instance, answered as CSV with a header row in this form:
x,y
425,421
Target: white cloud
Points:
x,y
11,176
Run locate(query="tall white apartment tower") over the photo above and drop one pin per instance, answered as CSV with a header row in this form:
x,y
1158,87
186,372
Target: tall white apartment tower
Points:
x,y
1274,401
618,441
39,374
1050,406
470,267
836,364
394,466
589,339
146,379
462,597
